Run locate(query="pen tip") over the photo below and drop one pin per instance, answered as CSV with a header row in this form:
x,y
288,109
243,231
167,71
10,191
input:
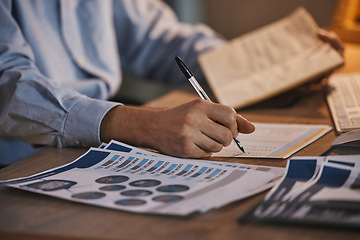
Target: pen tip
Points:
x,y
239,145
242,149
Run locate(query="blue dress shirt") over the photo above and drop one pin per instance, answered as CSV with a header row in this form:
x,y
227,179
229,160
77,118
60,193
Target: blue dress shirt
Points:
x,y
60,60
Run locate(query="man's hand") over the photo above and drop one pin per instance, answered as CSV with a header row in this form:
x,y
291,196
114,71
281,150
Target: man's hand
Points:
x,y
333,39
195,129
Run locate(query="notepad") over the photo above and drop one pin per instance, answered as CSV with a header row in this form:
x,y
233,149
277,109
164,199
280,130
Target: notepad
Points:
x,y
268,61
274,140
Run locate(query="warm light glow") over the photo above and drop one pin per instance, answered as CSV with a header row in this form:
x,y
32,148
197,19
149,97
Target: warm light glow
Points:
x,y
346,20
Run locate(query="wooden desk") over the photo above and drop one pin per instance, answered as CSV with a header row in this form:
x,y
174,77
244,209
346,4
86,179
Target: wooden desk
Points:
x,y
25,215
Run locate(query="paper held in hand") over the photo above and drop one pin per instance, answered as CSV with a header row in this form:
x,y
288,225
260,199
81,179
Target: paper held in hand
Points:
x,y
268,61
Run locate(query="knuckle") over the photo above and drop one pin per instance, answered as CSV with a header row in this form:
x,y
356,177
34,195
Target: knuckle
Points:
x,y
228,142
198,103
188,150
185,145
189,118
217,148
230,116
214,146
227,138
184,134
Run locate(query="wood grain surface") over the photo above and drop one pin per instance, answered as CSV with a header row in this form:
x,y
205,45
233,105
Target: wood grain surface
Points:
x,y
25,215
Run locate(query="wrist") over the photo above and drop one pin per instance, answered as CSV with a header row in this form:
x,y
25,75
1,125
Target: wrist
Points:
x,y
132,125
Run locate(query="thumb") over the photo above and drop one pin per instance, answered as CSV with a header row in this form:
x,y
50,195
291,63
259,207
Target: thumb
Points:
x,y
244,126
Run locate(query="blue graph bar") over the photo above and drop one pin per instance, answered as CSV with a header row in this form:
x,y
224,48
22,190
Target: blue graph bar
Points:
x,y
126,162
169,169
214,173
115,157
140,164
158,164
186,169
201,171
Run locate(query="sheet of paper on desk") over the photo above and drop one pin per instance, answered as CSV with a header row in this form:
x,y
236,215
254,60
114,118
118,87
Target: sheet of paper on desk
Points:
x,y
274,140
221,199
316,190
136,180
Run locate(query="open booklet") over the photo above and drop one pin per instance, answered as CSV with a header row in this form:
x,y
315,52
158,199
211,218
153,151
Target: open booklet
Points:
x,y
268,61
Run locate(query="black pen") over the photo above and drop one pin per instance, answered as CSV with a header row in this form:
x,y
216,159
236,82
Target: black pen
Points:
x,y
188,74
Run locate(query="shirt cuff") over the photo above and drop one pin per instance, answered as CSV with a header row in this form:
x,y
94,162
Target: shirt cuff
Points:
x,y
82,126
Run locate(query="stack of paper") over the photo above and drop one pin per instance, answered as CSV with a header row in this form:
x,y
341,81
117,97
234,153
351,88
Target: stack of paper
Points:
x,y
122,177
316,190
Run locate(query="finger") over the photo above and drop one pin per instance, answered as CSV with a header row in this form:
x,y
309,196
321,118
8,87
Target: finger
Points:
x,y
217,132
194,146
223,115
228,117
197,152
207,144
202,146
331,38
244,126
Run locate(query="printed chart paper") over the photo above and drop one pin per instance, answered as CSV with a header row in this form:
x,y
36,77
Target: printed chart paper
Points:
x,y
274,140
222,200
316,190
136,180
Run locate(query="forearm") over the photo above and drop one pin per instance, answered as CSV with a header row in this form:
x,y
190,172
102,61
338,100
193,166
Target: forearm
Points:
x,y
129,124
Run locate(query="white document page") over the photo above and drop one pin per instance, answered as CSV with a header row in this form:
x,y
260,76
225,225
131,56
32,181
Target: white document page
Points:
x,y
114,145
343,98
221,196
274,140
137,181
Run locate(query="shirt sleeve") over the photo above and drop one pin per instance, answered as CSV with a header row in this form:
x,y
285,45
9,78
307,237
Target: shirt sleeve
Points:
x,y
32,107
150,36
